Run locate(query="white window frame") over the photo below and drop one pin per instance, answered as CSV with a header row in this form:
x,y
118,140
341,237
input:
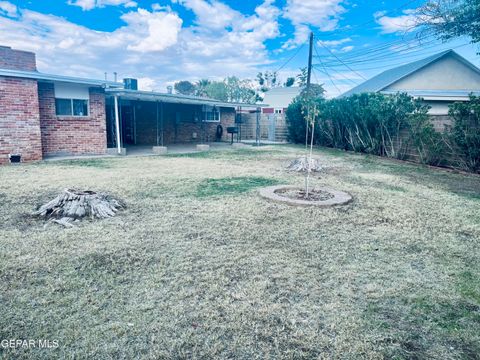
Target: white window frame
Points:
x,y
278,111
209,109
71,107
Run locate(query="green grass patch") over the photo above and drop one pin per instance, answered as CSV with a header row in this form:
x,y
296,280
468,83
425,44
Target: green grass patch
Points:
x,y
469,286
199,154
231,185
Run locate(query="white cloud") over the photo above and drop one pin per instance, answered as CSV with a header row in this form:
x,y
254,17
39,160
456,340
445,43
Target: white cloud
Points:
x,y
304,14
211,15
147,84
334,43
151,45
8,9
347,49
158,30
403,23
91,4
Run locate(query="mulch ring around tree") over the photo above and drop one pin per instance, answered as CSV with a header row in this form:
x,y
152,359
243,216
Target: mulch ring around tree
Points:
x,y
299,194
75,205
295,196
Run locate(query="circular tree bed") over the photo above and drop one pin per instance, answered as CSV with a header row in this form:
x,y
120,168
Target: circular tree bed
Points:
x,y
294,195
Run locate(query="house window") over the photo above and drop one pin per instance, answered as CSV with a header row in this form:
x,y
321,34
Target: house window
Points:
x,y
71,107
278,111
212,114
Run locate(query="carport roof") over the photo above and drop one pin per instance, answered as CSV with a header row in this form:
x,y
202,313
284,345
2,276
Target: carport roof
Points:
x,y
174,98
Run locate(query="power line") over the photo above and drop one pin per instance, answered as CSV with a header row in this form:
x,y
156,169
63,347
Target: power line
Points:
x,y
363,77
385,48
406,52
326,71
291,58
398,63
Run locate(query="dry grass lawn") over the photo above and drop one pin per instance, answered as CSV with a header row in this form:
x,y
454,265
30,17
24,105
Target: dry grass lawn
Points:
x,y
201,267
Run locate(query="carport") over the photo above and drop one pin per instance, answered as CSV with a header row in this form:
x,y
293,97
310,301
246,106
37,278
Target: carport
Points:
x,y
151,119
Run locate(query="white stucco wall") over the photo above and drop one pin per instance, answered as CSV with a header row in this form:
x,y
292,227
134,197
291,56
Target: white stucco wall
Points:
x,y
438,107
71,91
446,74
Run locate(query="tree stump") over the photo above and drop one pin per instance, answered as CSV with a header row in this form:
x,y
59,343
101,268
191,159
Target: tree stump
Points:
x,y
73,205
301,165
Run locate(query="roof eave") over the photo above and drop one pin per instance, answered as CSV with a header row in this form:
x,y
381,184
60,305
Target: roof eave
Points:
x,y
174,98
35,75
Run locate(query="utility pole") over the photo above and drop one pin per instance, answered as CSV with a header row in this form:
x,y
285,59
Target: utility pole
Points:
x,y
311,118
307,95
309,70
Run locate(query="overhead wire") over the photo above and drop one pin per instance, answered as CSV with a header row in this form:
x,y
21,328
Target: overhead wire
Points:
x,y
393,55
326,71
291,58
389,65
347,66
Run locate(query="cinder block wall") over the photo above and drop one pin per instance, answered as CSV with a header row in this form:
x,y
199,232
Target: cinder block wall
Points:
x,y
19,119
66,135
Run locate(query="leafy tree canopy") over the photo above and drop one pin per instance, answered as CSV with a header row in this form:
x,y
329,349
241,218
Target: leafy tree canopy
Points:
x,y
290,81
184,88
452,18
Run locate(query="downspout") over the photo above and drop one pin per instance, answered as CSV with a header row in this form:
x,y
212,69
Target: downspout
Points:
x,y
257,129
162,123
158,130
117,125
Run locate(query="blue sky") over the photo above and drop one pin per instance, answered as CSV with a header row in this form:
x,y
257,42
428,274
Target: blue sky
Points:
x,y
164,41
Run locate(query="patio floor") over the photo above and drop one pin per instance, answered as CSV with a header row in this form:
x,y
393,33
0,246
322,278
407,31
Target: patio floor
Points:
x,y
146,150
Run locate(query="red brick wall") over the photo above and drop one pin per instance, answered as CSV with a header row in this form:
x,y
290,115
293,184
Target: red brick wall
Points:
x,y
17,59
63,135
186,129
19,119
146,126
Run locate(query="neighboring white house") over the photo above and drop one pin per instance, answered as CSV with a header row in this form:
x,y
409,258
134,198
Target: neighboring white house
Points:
x,y
439,80
278,99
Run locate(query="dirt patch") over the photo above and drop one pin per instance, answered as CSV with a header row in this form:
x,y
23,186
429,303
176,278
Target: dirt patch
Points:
x,y
313,195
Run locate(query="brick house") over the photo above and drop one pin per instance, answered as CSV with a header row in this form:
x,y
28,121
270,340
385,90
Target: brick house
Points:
x,y
45,115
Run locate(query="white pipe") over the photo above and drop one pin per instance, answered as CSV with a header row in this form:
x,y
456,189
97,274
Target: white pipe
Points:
x,y
117,125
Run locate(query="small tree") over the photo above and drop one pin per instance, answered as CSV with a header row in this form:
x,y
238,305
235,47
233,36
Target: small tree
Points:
x,y
267,80
290,81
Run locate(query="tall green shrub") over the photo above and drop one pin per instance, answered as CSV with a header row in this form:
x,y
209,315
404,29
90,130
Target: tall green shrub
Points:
x,y
464,136
393,126
370,123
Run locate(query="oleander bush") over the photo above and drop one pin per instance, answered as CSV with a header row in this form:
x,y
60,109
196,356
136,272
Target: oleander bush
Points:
x,y
395,126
